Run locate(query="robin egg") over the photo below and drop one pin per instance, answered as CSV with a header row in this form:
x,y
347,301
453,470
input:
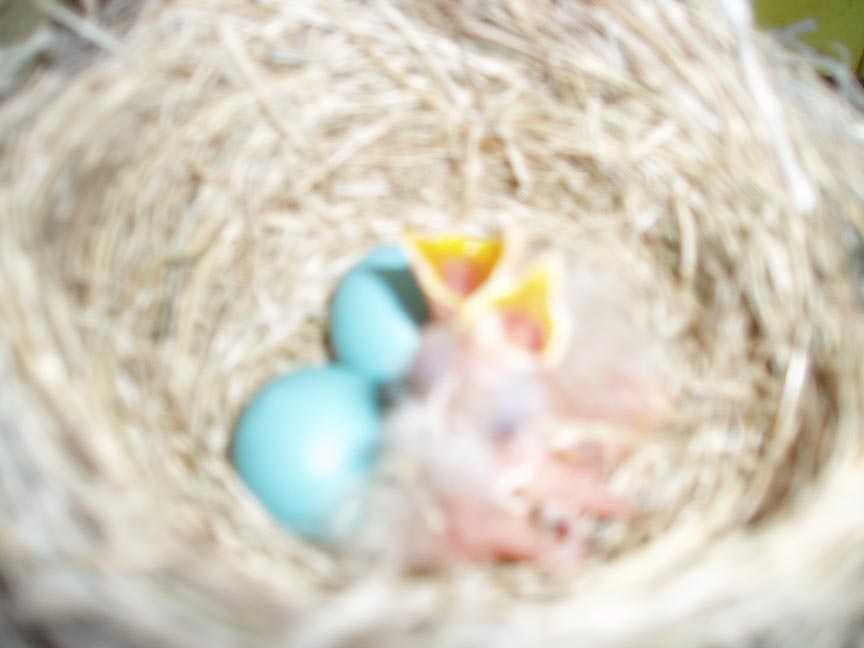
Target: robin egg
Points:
x,y
376,315
307,444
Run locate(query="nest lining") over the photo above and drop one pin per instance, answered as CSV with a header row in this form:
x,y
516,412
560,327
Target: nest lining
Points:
x,y
176,225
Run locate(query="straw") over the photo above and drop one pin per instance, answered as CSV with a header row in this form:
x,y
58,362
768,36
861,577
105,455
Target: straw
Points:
x,y
175,217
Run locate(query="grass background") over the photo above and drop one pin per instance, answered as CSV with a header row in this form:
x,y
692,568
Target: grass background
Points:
x,y
839,21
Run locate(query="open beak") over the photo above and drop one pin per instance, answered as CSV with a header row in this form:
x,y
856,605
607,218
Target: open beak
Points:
x,y
477,283
451,268
524,311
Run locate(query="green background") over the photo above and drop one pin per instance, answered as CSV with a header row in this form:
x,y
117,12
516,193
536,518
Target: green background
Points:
x,y
840,21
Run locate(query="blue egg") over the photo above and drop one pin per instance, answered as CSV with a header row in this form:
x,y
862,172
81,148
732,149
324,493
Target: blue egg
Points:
x,y
376,315
307,443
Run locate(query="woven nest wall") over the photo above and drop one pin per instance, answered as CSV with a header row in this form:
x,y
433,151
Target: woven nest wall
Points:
x,y
174,219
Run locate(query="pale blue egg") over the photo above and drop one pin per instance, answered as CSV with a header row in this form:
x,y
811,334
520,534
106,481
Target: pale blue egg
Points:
x,y
306,445
376,316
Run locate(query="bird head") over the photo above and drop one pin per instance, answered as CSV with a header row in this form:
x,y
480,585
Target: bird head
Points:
x,y
494,294
450,268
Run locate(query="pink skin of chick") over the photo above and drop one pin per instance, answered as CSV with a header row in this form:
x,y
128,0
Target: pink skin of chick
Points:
x,y
504,492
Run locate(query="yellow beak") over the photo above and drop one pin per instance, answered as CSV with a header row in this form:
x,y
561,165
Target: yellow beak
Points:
x,y
451,268
480,283
525,310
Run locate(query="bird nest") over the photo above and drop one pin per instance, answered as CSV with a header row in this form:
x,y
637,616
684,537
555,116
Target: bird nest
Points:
x,y
176,216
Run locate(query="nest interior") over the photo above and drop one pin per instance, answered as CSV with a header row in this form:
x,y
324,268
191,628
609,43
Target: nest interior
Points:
x,y
177,214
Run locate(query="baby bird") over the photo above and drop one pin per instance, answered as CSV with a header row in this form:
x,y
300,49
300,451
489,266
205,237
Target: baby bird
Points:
x,y
533,379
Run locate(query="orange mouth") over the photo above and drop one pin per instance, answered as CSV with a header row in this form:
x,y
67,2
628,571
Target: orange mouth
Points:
x,y
480,283
526,310
451,268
